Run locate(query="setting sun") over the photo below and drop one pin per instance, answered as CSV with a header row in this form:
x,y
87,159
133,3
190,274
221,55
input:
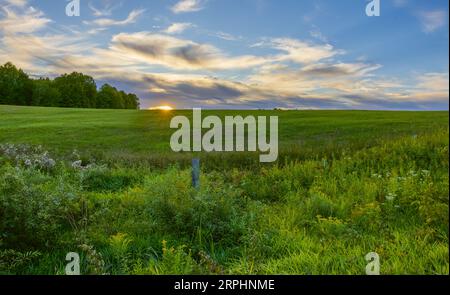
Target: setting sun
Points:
x,y
162,108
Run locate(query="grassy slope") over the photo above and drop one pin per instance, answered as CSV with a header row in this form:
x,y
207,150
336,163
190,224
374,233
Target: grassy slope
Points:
x,y
141,133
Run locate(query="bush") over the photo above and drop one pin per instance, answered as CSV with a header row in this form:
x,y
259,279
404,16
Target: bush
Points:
x,y
28,213
216,212
14,262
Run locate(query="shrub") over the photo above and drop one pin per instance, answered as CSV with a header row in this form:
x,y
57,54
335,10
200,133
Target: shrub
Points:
x,y
28,215
216,212
14,262
35,208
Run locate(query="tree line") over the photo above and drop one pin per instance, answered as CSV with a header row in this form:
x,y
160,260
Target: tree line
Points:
x,y
74,90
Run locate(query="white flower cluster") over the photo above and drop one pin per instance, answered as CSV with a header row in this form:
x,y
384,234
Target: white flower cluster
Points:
x,y
77,163
391,196
28,156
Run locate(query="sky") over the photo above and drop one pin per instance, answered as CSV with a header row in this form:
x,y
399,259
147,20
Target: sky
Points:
x,y
241,54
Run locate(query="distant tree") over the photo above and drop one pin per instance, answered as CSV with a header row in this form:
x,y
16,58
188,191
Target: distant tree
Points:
x,y
15,86
45,93
109,98
74,90
77,90
124,99
119,100
133,101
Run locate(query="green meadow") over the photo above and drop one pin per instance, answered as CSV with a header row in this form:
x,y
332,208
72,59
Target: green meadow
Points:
x,y
105,184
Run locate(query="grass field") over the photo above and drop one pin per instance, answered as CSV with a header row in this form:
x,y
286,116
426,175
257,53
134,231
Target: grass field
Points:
x,y
144,135
347,183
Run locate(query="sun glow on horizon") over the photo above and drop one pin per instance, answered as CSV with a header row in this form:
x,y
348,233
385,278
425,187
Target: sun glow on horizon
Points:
x,y
162,108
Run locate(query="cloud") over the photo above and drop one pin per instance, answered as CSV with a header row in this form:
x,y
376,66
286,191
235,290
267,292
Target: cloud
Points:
x,y
107,22
210,92
105,11
432,20
184,6
42,54
31,20
202,90
18,3
317,34
339,69
177,28
178,53
431,86
326,80
226,36
436,81
300,51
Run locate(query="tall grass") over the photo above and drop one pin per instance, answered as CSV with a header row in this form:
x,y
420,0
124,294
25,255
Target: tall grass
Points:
x,y
316,214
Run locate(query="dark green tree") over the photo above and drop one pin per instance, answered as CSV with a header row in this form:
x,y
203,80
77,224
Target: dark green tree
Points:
x,y
124,99
74,90
109,98
77,90
133,101
15,86
45,93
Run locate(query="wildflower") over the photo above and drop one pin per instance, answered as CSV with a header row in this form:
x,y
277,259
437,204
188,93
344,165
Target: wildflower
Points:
x,y
412,173
75,155
50,163
77,164
425,172
390,197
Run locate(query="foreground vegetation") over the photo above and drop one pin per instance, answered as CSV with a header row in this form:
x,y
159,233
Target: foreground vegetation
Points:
x,y
345,190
